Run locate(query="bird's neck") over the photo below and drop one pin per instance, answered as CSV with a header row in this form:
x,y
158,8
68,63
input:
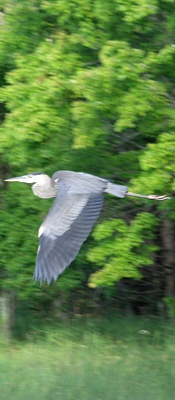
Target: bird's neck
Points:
x,y
45,190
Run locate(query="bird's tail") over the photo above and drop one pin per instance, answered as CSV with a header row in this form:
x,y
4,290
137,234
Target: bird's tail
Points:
x,y
116,190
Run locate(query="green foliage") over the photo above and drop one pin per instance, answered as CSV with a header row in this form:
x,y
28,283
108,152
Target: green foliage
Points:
x,y
170,305
158,165
122,249
87,87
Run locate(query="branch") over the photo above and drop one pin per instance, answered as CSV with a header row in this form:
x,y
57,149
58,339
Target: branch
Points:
x,y
149,196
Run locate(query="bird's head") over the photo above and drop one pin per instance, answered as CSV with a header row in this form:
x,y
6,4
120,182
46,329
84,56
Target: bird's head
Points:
x,y
35,177
43,186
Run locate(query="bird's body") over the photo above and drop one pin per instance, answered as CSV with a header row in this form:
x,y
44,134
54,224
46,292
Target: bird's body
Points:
x,y
78,203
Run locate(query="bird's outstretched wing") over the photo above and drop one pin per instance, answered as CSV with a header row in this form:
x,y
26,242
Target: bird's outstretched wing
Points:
x,y
64,230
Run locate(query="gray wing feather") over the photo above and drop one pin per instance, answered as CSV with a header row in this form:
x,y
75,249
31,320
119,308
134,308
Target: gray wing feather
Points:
x,y
64,230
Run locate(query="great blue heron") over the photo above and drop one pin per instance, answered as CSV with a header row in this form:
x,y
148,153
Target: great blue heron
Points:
x,y
78,203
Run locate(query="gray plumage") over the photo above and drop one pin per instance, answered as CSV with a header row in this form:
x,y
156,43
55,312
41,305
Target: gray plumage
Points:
x,y
78,203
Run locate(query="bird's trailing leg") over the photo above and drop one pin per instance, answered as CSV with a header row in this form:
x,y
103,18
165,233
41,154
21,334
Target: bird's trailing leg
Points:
x,y
149,196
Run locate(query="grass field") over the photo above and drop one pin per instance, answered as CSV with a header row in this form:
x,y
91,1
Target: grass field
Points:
x,y
130,359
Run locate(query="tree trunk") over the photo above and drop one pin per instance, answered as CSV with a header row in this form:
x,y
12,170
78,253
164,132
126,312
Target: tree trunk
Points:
x,y
7,315
168,257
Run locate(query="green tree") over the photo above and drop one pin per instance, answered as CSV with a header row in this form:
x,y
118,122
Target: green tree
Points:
x,y
87,87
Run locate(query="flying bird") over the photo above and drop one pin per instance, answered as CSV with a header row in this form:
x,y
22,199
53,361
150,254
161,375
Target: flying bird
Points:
x,y
78,203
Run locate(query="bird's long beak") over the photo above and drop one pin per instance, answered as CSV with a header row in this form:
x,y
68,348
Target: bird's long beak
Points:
x,y
17,179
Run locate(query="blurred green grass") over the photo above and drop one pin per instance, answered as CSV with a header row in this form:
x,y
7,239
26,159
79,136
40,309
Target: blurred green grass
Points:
x,y
94,359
